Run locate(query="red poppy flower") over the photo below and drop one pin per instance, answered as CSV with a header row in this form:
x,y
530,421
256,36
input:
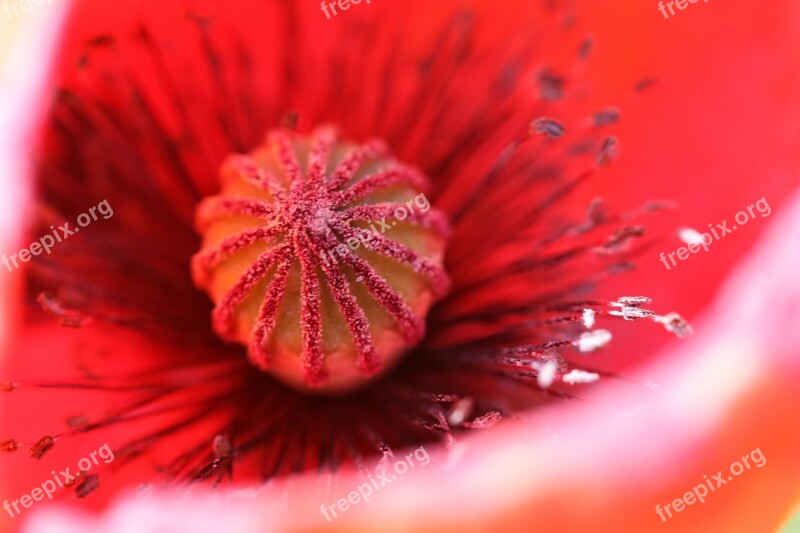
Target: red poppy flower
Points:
x,y
156,145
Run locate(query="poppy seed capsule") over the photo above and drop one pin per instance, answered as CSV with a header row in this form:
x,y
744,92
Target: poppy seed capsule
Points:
x,y
323,257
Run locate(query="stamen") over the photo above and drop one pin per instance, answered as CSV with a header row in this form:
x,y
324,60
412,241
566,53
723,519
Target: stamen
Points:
x,y
593,340
548,127
632,301
608,151
630,308
674,323
546,373
487,421
588,318
460,411
66,317
576,376
690,236
222,447
605,117
551,86
88,485
42,446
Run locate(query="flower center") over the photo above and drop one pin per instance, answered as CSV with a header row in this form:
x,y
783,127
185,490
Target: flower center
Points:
x,y
322,256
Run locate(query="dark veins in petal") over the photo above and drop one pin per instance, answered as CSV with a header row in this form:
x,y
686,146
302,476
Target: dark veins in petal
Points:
x,y
145,117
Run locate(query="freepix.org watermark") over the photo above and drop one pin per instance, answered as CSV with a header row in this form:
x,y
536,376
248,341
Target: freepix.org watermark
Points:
x,y
60,480
695,240
401,213
343,5
14,8
699,492
679,4
63,232
381,479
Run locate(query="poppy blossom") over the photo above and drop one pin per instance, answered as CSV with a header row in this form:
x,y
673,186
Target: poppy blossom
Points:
x,y
145,112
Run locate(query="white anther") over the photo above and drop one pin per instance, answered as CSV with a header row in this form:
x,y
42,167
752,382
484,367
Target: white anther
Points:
x,y
588,318
547,374
579,376
690,236
592,340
